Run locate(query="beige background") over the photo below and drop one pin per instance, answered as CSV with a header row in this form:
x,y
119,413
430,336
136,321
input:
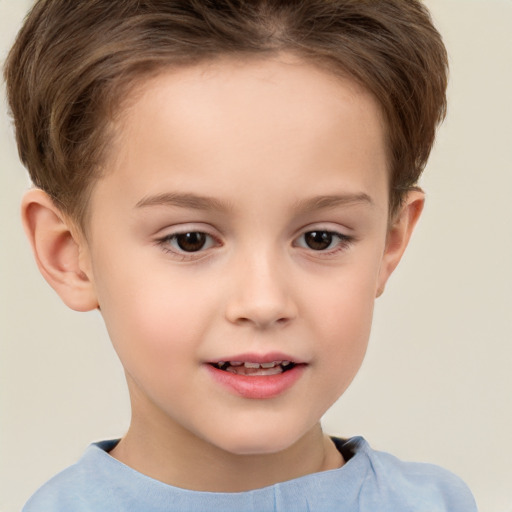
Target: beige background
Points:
x,y
437,382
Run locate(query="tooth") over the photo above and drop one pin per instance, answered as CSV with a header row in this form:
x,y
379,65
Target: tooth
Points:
x,y
252,365
221,363
236,363
266,372
286,363
269,365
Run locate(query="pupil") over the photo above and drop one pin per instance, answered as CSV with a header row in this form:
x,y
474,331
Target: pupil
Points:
x,y
191,242
318,240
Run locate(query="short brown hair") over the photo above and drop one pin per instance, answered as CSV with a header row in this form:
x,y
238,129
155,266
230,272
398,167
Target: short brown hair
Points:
x,y
74,60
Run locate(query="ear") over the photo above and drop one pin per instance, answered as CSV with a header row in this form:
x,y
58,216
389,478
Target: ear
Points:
x,y
399,233
58,249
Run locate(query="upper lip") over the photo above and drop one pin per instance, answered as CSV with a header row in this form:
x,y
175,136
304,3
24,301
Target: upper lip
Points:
x,y
259,358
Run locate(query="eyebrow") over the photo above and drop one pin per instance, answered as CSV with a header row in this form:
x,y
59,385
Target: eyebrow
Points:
x,y
333,201
191,201
196,202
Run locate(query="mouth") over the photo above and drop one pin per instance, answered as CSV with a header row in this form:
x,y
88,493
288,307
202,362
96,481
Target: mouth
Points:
x,y
257,376
253,369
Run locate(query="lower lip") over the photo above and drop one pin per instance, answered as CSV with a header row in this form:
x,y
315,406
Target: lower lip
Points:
x,y
259,386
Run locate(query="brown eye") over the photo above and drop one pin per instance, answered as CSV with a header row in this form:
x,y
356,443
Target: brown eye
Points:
x,y
318,240
191,242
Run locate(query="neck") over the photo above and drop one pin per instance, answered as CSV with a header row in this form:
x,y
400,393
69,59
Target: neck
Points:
x,y
173,455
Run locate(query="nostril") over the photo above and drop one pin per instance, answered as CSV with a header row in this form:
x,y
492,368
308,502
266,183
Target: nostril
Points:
x,y
262,322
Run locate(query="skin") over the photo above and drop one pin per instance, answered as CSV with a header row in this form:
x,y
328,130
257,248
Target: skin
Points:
x,y
280,149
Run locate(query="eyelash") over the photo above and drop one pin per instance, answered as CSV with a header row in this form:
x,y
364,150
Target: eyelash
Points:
x,y
343,242
166,244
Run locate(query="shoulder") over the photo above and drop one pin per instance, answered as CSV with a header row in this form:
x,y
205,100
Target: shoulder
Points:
x,y
411,485
76,488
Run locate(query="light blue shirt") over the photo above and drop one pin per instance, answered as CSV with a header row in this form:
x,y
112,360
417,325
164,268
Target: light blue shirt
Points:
x,y
370,481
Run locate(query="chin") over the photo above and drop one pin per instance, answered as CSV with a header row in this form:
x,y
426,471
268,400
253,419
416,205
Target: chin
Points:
x,y
251,441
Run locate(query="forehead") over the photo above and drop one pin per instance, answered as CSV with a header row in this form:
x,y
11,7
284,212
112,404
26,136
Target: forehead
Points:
x,y
274,89
233,116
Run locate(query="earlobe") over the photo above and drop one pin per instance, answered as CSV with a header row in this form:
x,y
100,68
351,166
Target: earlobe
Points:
x,y
57,250
399,234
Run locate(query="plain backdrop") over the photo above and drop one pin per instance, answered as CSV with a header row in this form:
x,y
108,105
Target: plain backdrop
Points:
x,y
437,383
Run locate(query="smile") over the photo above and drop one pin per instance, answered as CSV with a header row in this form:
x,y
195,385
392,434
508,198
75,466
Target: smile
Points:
x,y
257,376
254,369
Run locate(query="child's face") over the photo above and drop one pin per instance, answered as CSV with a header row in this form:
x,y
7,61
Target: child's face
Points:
x,y
277,173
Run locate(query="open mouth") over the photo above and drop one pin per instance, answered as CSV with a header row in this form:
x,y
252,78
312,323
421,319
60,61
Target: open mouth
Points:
x,y
254,369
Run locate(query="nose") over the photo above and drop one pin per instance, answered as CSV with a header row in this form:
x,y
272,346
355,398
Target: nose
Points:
x,y
261,294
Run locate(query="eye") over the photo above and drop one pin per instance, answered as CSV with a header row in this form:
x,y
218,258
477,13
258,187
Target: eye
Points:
x,y
188,242
322,240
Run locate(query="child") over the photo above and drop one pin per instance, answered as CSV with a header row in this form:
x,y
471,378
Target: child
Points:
x,y
231,184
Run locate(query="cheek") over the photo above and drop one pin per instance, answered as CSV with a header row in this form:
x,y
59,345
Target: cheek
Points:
x,y
149,334
344,315
153,315
344,300
346,331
